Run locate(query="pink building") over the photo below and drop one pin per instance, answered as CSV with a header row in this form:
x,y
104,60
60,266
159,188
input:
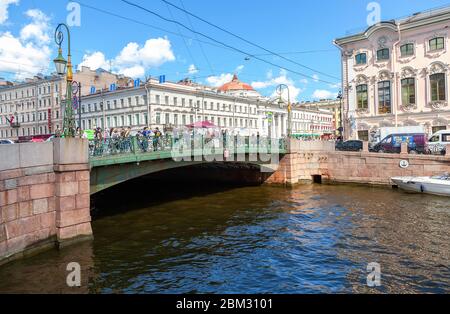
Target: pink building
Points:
x,y
397,73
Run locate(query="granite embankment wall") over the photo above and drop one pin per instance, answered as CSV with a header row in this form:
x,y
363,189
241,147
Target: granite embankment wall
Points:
x,y
44,196
311,159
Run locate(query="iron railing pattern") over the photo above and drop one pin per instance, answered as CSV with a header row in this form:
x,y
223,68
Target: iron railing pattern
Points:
x,y
139,144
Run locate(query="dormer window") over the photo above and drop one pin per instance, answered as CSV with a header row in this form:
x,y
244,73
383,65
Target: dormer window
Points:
x,y
437,43
383,54
407,50
361,58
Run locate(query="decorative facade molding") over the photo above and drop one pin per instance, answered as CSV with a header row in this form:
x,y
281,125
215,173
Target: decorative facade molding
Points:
x,y
408,107
407,72
361,79
385,76
437,67
437,105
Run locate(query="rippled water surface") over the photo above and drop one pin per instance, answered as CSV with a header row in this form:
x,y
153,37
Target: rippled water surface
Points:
x,y
311,239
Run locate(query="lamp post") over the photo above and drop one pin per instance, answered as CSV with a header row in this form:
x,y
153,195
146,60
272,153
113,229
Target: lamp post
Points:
x,y
61,65
280,89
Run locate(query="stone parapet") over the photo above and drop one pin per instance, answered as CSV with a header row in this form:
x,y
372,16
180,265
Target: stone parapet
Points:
x,y
353,167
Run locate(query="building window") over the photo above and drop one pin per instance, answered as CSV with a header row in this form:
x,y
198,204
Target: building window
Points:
x,y
361,58
383,54
437,83
362,96
437,43
407,50
408,91
384,97
158,118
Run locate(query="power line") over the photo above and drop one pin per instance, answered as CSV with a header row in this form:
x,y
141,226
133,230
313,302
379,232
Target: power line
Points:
x,y
184,40
146,24
247,41
296,52
224,44
201,46
180,35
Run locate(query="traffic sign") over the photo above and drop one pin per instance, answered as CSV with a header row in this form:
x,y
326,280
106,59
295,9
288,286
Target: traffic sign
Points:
x,y
75,103
75,87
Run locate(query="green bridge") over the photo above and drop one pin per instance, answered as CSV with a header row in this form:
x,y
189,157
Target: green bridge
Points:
x,y
114,161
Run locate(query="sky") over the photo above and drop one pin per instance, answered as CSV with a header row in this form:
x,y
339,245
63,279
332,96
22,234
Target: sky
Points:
x,y
117,36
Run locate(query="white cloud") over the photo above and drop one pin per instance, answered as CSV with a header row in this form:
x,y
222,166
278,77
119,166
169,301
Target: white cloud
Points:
x,y
4,4
304,81
192,69
218,81
294,91
315,78
133,60
154,53
134,71
29,53
38,29
337,85
94,61
323,94
239,69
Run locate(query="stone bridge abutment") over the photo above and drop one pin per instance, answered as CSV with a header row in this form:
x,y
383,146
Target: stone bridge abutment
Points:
x,y
44,196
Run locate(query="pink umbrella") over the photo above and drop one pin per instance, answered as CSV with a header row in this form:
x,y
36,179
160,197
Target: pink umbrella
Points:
x,y
202,125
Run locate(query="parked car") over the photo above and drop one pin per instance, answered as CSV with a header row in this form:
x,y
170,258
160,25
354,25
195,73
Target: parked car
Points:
x,y
438,142
6,142
349,146
417,143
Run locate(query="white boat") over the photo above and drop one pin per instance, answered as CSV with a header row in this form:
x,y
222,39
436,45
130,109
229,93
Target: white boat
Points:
x,y
437,185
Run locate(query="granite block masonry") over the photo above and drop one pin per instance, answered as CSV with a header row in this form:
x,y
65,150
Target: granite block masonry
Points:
x,y
44,196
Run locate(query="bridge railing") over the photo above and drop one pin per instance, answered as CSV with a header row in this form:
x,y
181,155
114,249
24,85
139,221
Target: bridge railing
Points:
x,y
140,144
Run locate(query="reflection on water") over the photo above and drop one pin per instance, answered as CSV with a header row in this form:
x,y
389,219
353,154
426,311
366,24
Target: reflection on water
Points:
x,y
311,239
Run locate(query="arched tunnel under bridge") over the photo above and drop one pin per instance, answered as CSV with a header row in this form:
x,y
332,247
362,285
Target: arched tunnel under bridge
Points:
x,y
131,188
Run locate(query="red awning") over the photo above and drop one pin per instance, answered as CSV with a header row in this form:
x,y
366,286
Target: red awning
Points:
x,y
202,125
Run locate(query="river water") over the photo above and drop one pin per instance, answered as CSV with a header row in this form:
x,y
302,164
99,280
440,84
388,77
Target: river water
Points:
x,y
309,239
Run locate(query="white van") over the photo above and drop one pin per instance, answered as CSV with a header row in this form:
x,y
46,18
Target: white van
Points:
x,y
438,142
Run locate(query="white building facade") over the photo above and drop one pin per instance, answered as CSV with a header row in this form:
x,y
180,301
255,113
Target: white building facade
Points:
x,y
170,105
397,73
34,107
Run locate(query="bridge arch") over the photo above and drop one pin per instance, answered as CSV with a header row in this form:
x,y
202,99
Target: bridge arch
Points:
x,y
105,177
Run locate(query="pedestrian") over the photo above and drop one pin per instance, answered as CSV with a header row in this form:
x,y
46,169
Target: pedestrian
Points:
x,y
156,138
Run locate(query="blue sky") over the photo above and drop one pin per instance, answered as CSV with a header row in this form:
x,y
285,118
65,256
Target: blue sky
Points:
x,y
284,26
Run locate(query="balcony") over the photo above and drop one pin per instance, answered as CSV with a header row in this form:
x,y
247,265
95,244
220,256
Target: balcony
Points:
x,y
15,125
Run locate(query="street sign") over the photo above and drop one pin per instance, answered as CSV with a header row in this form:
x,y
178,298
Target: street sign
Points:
x,y
112,87
75,87
92,89
137,83
162,79
75,103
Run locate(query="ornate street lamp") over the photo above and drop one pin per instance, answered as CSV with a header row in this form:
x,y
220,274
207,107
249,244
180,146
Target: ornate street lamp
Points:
x,y
281,102
61,65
